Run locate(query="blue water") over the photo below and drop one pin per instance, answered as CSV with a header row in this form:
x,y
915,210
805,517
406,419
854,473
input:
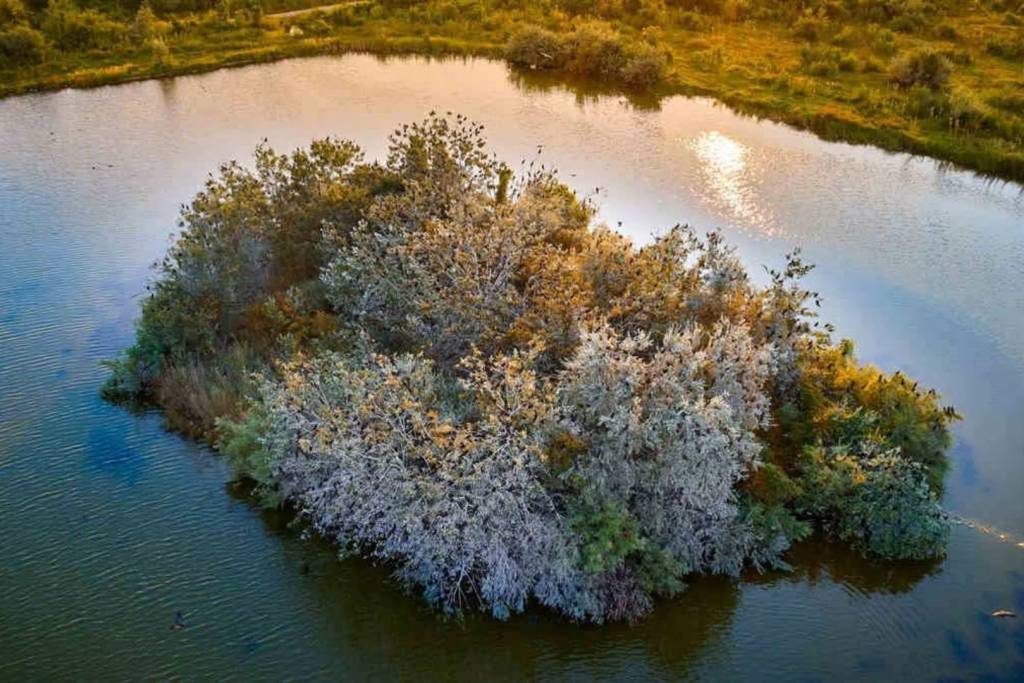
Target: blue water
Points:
x,y
109,525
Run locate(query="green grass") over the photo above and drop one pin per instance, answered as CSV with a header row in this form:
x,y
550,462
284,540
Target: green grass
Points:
x,y
830,76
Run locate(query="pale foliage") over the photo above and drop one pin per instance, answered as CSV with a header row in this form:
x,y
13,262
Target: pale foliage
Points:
x,y
509,405
377,461
669,433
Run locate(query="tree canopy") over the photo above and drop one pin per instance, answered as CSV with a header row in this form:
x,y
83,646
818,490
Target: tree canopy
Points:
x,y
447,366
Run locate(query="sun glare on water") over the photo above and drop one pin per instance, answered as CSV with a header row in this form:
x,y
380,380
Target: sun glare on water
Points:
x,y
729,180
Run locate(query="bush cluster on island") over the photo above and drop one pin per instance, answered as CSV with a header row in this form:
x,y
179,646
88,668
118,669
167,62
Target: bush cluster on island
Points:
x,y
446,366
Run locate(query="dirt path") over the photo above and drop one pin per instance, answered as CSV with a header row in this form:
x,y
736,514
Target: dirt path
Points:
x,y
321,8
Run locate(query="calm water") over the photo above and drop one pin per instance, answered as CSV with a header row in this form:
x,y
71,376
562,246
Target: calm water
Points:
x,y
108,525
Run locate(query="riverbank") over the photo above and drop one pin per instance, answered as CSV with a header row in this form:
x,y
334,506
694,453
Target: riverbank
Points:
x,y
832,78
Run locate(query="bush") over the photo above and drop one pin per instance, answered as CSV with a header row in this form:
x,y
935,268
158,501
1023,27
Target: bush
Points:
x,y
883,41
968,113
1012,50
921,67
536,48
908,23
73,29
826,62
947,31
22,46
596,51
809,28
215,282
592,51
146,27
461,377
645,66
12,12
880,503
158,48
847,37
316,26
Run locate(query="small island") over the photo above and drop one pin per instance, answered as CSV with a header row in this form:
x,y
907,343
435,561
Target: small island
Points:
x,y
442,363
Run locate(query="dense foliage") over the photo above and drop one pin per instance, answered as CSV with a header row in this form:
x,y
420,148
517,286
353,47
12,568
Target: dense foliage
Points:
x,y
447,367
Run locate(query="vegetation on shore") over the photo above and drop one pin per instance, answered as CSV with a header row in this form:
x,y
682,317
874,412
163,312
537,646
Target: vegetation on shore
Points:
x,y
944,78
444,365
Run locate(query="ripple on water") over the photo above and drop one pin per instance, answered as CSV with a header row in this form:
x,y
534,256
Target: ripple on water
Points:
x,y
110,526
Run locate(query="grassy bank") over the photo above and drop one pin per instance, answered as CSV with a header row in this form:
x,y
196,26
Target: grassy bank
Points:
x,y
943,79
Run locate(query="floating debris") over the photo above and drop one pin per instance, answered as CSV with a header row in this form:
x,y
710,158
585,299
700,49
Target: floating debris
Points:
x,y
988,530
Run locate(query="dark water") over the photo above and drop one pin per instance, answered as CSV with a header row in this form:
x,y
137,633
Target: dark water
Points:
x,y
108,525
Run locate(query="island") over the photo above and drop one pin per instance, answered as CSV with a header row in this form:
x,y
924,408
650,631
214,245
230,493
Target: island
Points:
x,y
443,363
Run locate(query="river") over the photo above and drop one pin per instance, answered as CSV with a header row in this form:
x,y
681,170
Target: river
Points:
x,y
110,525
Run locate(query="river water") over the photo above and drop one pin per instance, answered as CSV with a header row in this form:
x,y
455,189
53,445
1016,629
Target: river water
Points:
x,y
109,525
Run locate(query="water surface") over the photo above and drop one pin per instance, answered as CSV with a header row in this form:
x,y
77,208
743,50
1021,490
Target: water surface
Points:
x,y
108,525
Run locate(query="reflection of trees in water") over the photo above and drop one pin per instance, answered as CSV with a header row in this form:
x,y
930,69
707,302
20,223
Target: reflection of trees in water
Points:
x,y
585,90
365,621
817,560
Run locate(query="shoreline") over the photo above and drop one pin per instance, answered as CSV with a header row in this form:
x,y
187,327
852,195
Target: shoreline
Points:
x,y
828,125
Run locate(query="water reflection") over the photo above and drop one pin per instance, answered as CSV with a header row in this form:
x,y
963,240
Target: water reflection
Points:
x,y
730,180
363,611
585,91
819,561
113,525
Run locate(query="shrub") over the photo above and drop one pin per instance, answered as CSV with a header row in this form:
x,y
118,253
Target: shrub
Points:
x,y
468,382
1004,48
146,26
881,503
826,61
645,66
968,113
12,12
691,21
958,57
1008,101
158,48
21,46
847,37
921,67
908,23
458,508
809,28
195,393
245,237
883,41
946,31
596,51
316,26
839,401
73,29
536,48
592,51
